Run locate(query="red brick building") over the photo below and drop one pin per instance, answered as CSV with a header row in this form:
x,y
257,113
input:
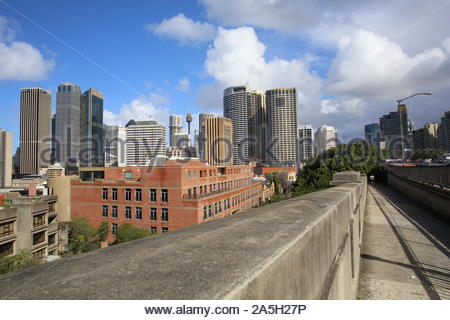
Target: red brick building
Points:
x,y
163,198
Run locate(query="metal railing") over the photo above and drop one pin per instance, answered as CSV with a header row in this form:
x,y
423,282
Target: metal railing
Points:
x,y
436,175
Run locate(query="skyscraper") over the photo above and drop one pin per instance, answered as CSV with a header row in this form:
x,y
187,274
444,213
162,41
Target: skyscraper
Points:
x,y
281,127
372,134
235,102
395,126
444,133
426,138
145,140
325,138
68,100
92,152
5,158
200,142
305,143
218,133
35,129
115,137
175,127
256,113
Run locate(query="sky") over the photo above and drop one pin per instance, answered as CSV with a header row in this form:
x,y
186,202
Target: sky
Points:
x,y
349,60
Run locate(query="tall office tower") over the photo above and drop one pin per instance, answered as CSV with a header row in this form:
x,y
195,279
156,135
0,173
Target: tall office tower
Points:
x,y
201,137
235,108
115,137
145,140
53,142
5,158
256,113
175,127
305,143
181,140
35,129
325,138
218,133
372,134
444,133
92,153
392,129
68,100
426,138
281,127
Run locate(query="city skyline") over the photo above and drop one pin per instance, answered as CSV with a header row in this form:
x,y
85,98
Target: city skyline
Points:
x,y
145,83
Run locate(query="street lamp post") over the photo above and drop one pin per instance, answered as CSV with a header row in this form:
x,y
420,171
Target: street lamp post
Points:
x,y
400,114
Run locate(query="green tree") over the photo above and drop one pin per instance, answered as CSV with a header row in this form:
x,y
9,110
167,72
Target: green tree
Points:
x,y
22,259
126,232
83,237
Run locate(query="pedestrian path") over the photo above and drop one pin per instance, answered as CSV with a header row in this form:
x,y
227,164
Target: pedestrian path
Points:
x,y
405,249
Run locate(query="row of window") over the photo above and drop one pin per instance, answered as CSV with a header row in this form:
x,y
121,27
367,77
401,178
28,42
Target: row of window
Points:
x,y
214,172
153,229
225,185
137,194
137,213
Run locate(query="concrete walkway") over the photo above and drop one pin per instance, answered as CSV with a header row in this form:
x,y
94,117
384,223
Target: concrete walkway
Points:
x,y
405,249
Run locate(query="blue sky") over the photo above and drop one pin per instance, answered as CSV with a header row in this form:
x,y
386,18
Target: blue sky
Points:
x,y
349,60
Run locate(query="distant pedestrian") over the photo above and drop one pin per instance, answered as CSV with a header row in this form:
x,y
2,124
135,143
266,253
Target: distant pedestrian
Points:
x,y
372,179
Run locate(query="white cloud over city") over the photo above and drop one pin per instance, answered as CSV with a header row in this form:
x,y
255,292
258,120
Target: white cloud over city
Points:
x,y
20,60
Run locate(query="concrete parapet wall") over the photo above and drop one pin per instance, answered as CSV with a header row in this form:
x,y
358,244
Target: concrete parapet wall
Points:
x,y
302,248
436,199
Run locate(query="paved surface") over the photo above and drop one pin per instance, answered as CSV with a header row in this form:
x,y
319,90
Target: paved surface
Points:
x,y
405,250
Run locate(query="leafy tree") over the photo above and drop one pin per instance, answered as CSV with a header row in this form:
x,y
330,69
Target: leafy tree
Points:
x,y
83,237
126,232
317,174
22,259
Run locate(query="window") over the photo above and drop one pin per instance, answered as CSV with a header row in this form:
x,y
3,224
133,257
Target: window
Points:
x,y
104,194
51,239
138,213
205,212
105,211
153,230
7,248
114,228
220,206
51,207
127,212
216,210
6,228
209,211
128,175
164,214
114,194
114,212
52,253
38,220
138,195
38,237
164,230
164,195
128,194
153,214
152,195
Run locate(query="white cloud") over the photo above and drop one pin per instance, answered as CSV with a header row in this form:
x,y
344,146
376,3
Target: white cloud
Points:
x,y
183,85
158,99
20,61
183,29
237,57
352,105
7,29
140,108
368,65
287,15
